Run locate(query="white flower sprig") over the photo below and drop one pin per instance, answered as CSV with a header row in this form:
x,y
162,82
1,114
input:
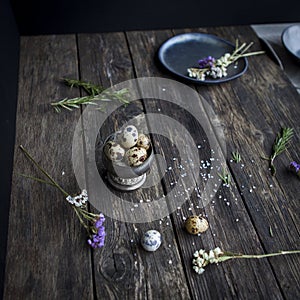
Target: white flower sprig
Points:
x,y
203,258
93,223
78,200
217,68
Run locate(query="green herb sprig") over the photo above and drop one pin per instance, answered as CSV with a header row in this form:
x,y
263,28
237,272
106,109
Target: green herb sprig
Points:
x,y
90,88
96,93
280,145
225,176
236,156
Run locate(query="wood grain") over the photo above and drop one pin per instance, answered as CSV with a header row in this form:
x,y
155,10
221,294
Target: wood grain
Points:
x,y
218,214
138,274
48,256
253,112
47,252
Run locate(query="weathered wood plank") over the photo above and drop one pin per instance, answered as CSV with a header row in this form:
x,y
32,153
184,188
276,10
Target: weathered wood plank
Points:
x,y
123,269
253,108
47,253
227,281
250,111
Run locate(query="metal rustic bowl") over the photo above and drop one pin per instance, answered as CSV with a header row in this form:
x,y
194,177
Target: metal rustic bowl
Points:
x,y
122,176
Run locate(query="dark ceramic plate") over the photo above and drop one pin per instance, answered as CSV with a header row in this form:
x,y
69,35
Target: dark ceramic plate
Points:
x,y
291,40
184,50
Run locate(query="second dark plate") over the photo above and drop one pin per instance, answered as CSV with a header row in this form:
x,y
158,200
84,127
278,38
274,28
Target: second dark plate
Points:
x,y
184,50
291,40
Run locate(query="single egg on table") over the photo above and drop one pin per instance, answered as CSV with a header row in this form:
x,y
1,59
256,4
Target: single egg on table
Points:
x,y
151,240
143,141
135,156
114,151
129,136
196,224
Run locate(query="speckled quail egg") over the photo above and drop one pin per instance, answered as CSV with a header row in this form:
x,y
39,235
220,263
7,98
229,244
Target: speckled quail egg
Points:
x,y
151,240
114,151
143,141
129,136
135,156
196,224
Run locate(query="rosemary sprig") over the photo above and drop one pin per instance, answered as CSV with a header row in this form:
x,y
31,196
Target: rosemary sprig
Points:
x,y
96,93
225,176
236,156
70,104
90,88
280,145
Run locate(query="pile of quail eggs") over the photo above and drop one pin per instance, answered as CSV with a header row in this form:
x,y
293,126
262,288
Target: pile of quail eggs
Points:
x,y
129,146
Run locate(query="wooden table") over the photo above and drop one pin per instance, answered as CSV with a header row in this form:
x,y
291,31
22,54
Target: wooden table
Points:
x,y
47,254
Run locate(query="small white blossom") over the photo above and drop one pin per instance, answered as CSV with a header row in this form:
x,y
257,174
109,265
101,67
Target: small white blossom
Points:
x,y
78,200
217,251
211,254
202,258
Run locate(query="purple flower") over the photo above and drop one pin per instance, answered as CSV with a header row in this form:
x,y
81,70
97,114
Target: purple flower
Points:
x,y
97,240
100,221
206,62
295,167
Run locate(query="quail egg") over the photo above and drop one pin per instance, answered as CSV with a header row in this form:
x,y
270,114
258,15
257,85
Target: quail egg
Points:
x,y
151,240
196,224
143,141
129,136
135,156
114,151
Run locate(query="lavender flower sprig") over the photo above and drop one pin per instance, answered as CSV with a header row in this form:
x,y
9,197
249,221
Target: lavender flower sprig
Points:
x,y
217,68
295,167
93,223
203,258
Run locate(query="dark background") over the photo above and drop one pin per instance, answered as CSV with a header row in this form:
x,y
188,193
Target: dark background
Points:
x,y
69,16
33,17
